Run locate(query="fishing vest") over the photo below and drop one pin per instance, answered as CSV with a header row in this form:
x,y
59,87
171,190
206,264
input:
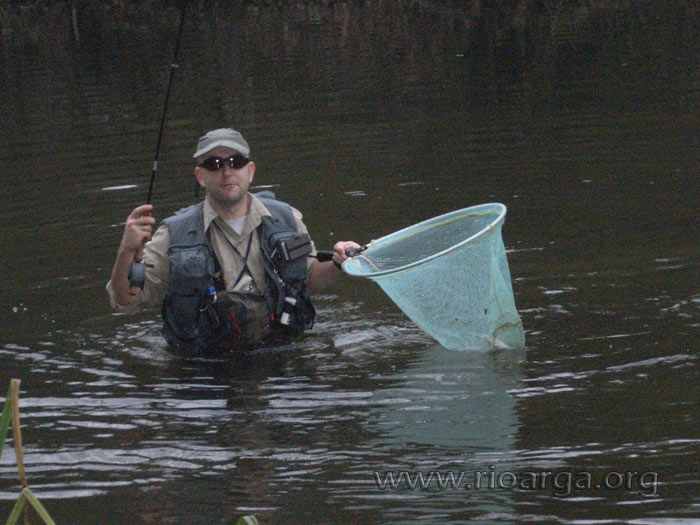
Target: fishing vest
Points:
x,y
200,316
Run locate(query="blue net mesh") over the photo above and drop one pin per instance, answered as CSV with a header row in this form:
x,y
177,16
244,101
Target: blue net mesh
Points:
x,y
450,276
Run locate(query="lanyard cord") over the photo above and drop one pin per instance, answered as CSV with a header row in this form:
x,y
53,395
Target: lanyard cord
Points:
x,y
245,269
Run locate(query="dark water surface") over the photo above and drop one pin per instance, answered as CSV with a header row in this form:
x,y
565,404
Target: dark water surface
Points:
x,y
368,117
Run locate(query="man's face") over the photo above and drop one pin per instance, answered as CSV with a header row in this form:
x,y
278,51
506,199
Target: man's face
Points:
x,y
226,185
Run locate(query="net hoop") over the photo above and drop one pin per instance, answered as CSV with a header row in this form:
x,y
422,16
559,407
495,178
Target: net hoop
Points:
x,y
351,269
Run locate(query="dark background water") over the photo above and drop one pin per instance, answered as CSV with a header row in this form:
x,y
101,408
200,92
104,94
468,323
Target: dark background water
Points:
x,y
581,117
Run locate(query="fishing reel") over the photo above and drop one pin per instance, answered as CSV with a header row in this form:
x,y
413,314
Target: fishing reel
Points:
x,y
137,273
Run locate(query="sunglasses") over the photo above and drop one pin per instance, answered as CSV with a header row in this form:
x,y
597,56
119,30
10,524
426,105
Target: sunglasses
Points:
x,y
217,163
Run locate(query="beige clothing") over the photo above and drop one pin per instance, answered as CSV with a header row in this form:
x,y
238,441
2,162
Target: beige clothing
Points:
x,y
155,253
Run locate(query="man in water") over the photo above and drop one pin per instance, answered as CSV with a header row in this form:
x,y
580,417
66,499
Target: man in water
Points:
x,y
232,272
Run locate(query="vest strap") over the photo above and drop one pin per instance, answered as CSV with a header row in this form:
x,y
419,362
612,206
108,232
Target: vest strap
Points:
x,y
245,269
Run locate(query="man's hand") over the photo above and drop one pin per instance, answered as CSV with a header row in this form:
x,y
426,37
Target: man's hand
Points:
x,y
340,248
138,229
323,274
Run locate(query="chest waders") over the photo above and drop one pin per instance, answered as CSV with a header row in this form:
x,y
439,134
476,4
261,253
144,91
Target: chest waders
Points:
x,y
200,316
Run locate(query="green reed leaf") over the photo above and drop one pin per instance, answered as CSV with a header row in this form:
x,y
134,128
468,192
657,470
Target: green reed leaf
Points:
x,y
248,520
38,507
16,510
5,418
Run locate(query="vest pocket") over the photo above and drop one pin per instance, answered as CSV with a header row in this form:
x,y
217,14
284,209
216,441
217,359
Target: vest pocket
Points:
x,y
182,316
186,308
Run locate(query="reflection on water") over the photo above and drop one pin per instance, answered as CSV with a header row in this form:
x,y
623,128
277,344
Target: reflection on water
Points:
x,y
449,413
580,118
452,401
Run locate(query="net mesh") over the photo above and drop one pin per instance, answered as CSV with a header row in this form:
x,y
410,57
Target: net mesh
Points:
x,y
450,276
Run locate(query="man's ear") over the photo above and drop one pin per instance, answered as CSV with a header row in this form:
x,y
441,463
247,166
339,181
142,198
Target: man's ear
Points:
x,y
198,176
251,173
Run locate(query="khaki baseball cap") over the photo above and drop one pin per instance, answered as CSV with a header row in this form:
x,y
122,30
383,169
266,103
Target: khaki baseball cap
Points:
x,y
227,137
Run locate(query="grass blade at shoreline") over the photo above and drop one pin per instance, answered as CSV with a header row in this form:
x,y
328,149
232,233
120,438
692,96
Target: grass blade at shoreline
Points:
x,y
5,418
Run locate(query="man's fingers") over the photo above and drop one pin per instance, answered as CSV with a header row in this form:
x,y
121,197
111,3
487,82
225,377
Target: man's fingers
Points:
x,y
342,247
141,211
140,229
141,216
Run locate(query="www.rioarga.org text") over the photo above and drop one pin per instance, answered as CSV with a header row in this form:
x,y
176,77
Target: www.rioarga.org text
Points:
x,y
560,483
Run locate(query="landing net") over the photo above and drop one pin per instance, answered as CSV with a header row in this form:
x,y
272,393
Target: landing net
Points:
x,y
450,276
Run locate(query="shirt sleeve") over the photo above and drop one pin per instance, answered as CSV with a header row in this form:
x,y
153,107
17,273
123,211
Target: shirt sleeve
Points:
x,y
155,255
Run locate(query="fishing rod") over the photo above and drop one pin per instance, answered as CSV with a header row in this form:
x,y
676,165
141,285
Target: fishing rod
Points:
x,y
173,67
137,273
